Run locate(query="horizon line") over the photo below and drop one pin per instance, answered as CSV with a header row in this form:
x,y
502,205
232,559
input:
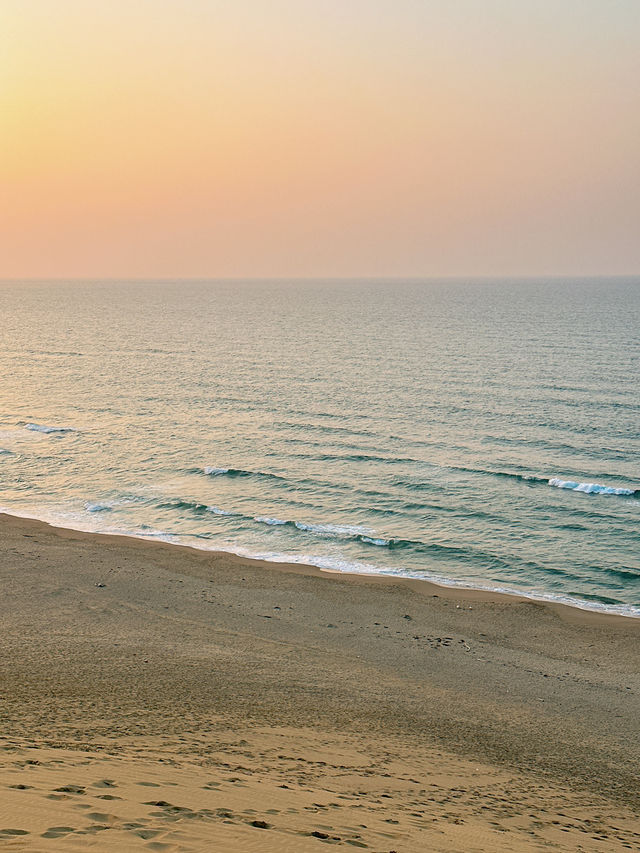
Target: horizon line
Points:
x,y
312,278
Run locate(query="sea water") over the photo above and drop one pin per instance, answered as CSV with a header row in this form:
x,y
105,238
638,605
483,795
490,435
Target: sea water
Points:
x,y
481,433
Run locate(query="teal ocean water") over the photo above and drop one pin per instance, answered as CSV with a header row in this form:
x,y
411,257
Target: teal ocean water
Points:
x,y
484,433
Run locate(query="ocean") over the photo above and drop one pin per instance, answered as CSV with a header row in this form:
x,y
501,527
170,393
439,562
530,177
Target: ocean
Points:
x,y
475,433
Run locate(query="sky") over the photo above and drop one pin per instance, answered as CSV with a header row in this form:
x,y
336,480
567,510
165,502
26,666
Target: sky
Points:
x,y
346,138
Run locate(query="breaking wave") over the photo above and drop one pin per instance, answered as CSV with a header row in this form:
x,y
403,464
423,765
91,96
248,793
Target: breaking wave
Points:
x,y
587,488
273,522
331,531
216,510
591,488
334,529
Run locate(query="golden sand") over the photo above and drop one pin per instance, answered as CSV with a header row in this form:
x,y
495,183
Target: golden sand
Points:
x,y
161,698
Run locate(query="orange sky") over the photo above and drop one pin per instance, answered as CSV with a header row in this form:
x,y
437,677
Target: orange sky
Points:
x,y
298,138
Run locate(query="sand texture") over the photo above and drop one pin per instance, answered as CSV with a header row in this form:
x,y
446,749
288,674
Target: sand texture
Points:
x,y
160,698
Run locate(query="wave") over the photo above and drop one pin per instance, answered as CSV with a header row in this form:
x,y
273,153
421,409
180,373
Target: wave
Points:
x,y
371,541
587,488
264,519
523,478
48,429
56,352
325,429
591,488
437,485
509,475
150,532
331,531
338,531
335,529
366,457
113,503
346,532
624,574
5,452
98,507
212,471
195,507
216,510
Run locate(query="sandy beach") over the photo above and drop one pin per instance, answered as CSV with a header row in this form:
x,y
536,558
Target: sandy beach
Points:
x,y
161,698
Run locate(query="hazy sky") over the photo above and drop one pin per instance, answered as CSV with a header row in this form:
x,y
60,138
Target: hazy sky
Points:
x,y
319,137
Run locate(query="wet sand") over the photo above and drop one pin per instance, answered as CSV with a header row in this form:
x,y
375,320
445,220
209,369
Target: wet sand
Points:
x,y
162,698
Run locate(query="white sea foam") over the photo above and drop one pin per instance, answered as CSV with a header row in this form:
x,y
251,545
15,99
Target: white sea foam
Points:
x,y
331,564
590,488
330,530
215,471
373,541
335,529
216,510
98,507
152,533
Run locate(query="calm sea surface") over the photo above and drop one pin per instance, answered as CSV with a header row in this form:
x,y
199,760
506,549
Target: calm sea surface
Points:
x,y
476,433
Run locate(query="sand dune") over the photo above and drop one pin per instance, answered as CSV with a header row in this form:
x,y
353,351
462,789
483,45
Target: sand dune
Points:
x,y
282,790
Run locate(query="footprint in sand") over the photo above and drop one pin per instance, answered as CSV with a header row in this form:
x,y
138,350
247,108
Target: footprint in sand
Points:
x,y
57,831
101,817
104,783
323,836
146,834
171,812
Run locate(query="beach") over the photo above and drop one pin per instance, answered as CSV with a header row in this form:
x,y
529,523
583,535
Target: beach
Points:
x,y
164,698
319,427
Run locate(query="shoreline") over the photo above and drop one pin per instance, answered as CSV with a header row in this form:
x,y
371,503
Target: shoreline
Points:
x,y
566,605
201,699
